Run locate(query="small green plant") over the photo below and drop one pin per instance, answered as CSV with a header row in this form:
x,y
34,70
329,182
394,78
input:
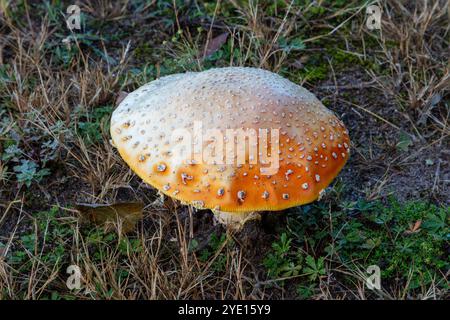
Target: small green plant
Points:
x,y
12,152
407,240
127,245
314,268
404,142
92,126
281,262
50,233
27,242
214,245
28,171
306,291
292,45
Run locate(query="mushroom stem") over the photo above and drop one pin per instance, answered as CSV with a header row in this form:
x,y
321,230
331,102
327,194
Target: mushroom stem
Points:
x,y
235,220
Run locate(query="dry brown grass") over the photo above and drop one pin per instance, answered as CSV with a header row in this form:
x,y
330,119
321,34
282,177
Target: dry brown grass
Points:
x,y
44,99
161,267
415,42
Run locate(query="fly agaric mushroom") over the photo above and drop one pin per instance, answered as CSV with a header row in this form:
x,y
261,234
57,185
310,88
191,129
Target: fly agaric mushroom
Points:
x,y
308,144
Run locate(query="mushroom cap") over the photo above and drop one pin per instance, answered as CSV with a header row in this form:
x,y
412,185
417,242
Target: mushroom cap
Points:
x,y
313,143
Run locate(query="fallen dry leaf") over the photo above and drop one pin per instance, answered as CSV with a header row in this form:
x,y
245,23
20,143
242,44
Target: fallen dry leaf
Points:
x,y
414,228
122,95
129,213
215,44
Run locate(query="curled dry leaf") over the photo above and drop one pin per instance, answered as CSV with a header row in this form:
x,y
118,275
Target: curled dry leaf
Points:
x,y
122,95
215,44
414,228
129,214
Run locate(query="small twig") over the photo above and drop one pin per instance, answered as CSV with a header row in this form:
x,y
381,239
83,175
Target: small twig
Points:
x,y
348,87
371,113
